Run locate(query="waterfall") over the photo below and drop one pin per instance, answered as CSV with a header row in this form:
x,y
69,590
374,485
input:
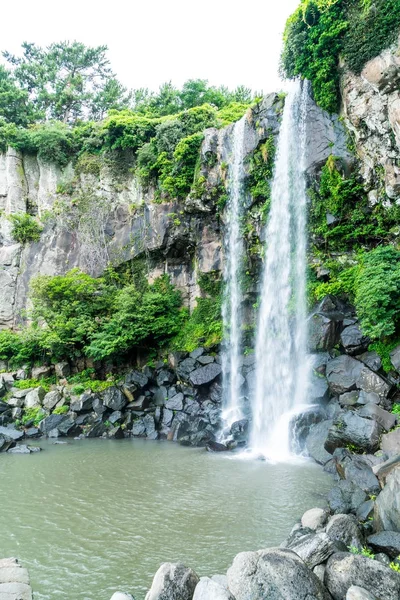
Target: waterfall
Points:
x,y
232,299
281,346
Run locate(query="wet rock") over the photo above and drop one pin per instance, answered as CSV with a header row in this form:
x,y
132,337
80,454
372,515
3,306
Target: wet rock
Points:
x,y
207,589
365,510
12,433
196,353
185,368
51,422
175,403
350,428
95,429
387,504
41,372
62,370
216,447
344,570
82,404
357,470
206,374
113,398
301,424
353,340
371,359
35,398
116,433
6,443
206,359
349,398
391,443
139,428
343,531
383,469
314,549
121,596
98,406
20,449
150,426
32,432
115,417
240,430
324,330
387,542
165,377
368,398
137,378
343,373
51,400
345,497
173,582
385,419
357,593
315,518
140,404
315,442
371,382
276,574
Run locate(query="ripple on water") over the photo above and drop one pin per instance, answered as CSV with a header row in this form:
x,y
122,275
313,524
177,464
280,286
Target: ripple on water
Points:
x,y
94,516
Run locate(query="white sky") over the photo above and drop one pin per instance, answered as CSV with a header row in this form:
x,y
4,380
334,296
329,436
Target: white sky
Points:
x,y
153,41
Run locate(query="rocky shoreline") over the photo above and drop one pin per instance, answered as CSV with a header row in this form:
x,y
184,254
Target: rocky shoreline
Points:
x,y
351,431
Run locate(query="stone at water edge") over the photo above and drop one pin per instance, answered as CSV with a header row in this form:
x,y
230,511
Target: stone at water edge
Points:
x,y
207,589
313,548
344,530
314,518
350,428
357,593
344,570
120,596
275,574
173,581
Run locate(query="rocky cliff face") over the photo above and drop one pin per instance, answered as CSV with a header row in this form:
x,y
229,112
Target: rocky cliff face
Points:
x,y
371,110
91,219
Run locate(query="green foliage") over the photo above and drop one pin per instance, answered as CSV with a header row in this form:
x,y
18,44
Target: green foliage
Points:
x,y
396,409
377,294
383,349
35,415
176,176
25,228
15,106
148,318
367,552
319,31
355,223
395,565
231,112
260,172
67,80
85,380
61,410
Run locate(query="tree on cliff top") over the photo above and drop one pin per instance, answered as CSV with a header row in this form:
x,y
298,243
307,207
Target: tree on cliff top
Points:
x,y
67,81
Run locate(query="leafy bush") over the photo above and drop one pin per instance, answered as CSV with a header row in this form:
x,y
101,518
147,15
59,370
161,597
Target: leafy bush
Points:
x,y
61,410
25,228
36,415
320,30
377,293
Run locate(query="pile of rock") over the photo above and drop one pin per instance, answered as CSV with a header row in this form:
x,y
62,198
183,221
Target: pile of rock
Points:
x,y
179,400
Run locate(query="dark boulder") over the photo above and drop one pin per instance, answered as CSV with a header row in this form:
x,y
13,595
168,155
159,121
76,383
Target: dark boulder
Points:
x,y
353,340
173,582
137,378
240,430
113,398
354,468
185,368
343,373
51,422
387,542
276,574
216,447
12,433
206,374
315,442
371,382
343,530
176,402
351,429
385,419
391,443
345,497
324,330
313,548
387,504
344,570
371,359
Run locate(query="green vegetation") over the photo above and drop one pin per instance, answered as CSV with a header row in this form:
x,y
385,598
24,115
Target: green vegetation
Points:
x,y
33,415
320,31
25,228
61,410
367,552
395,565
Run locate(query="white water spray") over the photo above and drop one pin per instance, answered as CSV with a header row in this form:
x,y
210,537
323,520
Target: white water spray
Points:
x,y
281,347
232,300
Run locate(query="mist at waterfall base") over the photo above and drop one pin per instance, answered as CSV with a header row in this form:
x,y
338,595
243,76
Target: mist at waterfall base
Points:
x,y
282,365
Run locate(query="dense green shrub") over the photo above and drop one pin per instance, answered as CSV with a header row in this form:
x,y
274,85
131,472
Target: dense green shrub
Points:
x,y
25,228
319,31
261,168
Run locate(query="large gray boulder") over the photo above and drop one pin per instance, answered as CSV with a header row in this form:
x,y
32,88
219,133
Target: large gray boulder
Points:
x,y
273,574
353,340
34,398
343,530
356,469
185,368
314,519
387,542
344,570
345,497
315,442
385,419
372,383
387,505
357,593
207,589
12,433
342,373
122,596
324,330
351,429
173,581
391,443
51,400
206,374
113,398
314,549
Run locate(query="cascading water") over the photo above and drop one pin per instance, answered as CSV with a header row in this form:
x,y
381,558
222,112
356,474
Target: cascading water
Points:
x,y
232,300
281,346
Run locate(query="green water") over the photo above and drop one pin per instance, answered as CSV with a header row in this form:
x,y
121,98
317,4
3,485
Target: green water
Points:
x,y
96,516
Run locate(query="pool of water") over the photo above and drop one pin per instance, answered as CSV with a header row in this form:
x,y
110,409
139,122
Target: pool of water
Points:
x,y
94,516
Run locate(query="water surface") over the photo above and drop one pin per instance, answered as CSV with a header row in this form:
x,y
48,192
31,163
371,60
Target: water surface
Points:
x,y
95,516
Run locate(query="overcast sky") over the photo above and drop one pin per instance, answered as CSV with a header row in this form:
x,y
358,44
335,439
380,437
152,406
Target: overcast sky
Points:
x,y
153,41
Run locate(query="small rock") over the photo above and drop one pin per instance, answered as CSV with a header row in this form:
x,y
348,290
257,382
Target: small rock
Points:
x,y
206,374
62,370
315,518
41,372
357,593
35,398
343,530
173,582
